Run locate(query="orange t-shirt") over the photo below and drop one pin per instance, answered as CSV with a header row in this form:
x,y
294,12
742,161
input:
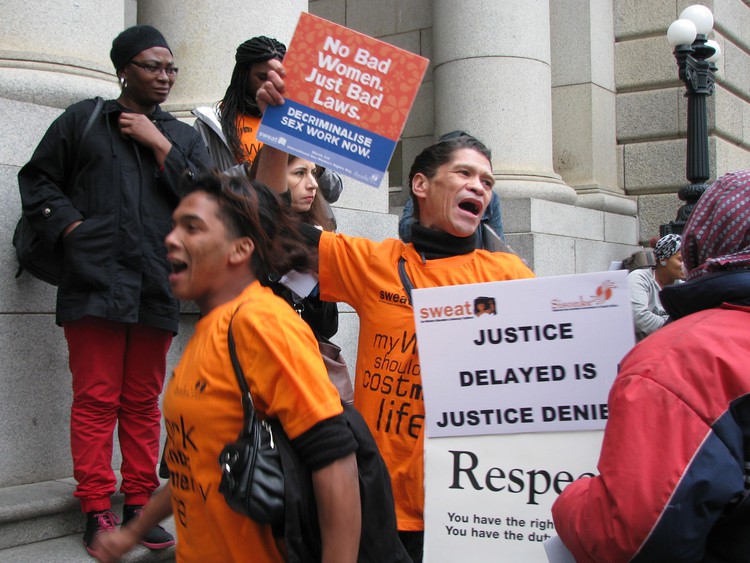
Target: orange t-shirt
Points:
x,y
388,383
203,412
247,127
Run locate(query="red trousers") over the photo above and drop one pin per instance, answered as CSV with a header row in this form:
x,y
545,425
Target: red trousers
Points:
x,y
118,374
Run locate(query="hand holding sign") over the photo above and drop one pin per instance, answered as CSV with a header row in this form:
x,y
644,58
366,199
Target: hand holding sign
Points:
x,y
345,96
271,92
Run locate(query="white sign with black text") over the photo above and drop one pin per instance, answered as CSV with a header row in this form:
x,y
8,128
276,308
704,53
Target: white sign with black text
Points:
x,y
534,355
515,377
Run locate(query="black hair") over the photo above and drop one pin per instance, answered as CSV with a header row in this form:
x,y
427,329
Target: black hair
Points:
x,y
433,157
251,209
237,100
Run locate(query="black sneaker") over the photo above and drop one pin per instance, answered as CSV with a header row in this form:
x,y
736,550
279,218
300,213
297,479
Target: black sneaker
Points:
x,y
95,522
156,538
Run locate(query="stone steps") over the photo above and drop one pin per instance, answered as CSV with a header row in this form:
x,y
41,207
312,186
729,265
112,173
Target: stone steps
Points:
x,y
42,522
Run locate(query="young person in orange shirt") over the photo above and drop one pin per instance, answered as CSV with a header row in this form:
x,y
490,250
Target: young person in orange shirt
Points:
x,y
227,235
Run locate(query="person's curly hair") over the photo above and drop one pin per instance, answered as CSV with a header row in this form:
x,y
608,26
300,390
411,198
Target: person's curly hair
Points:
x,y
251,209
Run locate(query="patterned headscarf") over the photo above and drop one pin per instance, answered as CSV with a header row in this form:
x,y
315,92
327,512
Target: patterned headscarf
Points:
x,y
717,234
667,247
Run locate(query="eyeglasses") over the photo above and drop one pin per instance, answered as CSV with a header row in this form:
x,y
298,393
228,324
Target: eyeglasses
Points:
x,y
156,69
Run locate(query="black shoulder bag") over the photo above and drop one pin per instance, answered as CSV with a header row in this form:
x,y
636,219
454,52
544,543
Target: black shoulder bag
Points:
x,y
264,478
252,480
32,255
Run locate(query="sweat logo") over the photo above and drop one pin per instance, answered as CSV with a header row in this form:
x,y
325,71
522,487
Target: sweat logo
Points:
x,y
393,298
484,306
460,311
194,390
601,295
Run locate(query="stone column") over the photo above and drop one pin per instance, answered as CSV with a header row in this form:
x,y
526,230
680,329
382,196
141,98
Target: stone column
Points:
x,y
492,77
54,53
583,102
204,37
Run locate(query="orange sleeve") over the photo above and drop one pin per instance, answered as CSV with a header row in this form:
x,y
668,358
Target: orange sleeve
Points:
x,y
343,260
283,367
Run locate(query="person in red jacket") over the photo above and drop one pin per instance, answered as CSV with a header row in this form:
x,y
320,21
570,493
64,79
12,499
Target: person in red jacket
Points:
x,y
674,470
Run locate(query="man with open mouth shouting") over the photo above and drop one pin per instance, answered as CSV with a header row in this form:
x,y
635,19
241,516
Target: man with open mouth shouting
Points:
x,y
451,184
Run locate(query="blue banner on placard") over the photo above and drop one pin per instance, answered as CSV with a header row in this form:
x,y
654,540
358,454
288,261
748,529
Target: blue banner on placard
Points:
x,y
325,140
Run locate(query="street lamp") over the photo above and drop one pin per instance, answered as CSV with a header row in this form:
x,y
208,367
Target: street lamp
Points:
x,y
695,55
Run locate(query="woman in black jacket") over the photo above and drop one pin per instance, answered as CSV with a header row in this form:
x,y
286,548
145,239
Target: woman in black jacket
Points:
x,y
104,201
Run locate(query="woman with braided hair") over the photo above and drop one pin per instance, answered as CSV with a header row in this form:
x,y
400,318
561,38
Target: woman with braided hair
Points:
x,y
229,128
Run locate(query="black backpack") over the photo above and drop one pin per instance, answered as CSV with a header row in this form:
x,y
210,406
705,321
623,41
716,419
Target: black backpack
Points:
x,y
379,542
32,255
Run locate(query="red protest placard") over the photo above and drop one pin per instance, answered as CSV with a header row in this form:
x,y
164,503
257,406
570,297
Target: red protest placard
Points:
x,y
348,96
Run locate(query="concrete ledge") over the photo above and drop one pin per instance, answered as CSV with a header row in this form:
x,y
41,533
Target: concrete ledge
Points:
x,y
42,522
603,200
69,549
364,224
552,218
29,501
54,89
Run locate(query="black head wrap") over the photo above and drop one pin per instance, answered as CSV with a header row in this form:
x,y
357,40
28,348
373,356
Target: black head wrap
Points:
x,y
134,40
259,49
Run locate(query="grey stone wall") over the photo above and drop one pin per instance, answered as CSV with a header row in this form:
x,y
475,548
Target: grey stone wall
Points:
x,y
652,109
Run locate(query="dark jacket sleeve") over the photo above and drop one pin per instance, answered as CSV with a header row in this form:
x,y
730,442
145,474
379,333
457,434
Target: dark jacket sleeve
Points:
x,y
188,156
324,443
44,179
406,221
331,185
493,215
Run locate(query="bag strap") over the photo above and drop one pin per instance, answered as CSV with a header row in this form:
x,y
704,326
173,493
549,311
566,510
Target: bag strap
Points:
x,y
89,124
97,109
405,280
248,409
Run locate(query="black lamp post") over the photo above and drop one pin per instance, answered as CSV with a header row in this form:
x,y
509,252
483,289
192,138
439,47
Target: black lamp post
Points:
x,y
695,55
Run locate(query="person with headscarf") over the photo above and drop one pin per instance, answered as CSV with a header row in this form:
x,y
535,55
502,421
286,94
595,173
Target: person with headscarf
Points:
x,y
673,471
646,283
104,200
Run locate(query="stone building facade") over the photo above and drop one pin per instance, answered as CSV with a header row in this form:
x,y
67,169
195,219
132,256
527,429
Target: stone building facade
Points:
x,y
578,99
